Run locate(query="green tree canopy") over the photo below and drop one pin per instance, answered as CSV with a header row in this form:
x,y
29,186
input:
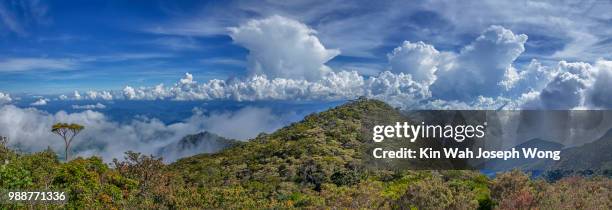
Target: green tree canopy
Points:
x,y
67,132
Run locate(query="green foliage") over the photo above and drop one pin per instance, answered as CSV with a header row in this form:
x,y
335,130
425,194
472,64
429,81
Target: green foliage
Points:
x,y
67,132
317,163
434,193
5,152
154,184
91,184
514,190
576,193
62,127
13,176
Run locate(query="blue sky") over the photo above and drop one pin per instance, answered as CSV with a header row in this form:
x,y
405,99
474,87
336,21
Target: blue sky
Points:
x,y
105,45
150,72
76,45
456,54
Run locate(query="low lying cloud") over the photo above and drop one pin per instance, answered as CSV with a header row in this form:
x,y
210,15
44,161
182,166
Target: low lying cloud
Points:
x,y
243,124
399,88
40,102
89,106
5,98
28,129
93,95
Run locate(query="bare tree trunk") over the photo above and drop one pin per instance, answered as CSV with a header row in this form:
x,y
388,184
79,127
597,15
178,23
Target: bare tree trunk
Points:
x,y
66,149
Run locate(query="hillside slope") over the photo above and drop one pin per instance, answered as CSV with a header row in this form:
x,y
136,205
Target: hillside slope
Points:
x,y
590,156
522,163
309,151
307,160
203,142
317,163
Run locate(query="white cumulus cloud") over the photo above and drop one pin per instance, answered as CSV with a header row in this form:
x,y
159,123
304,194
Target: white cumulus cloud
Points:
x,y
394,88
5,98
40,102
574,85
417,59
480,67
283,48
90,106
533,77
565,91
601,92
286,61
104,95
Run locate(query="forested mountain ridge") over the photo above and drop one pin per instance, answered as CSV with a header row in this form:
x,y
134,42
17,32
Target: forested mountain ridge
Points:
x,y
316,163
329,142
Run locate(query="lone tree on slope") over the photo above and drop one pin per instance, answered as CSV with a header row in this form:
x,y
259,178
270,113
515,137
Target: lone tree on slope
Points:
x,y
67,132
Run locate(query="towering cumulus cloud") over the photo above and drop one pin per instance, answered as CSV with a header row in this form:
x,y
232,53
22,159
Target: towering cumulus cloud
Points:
x,y
567,88
283,48
287,62
420,60
480,67
578,85
601,92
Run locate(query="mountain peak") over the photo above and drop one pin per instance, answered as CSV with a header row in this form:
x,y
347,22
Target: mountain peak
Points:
x,y
203,142
307,152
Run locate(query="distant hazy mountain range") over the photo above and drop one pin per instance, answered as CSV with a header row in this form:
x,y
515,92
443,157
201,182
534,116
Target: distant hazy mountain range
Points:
x,y
204,142
595,156
525,163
